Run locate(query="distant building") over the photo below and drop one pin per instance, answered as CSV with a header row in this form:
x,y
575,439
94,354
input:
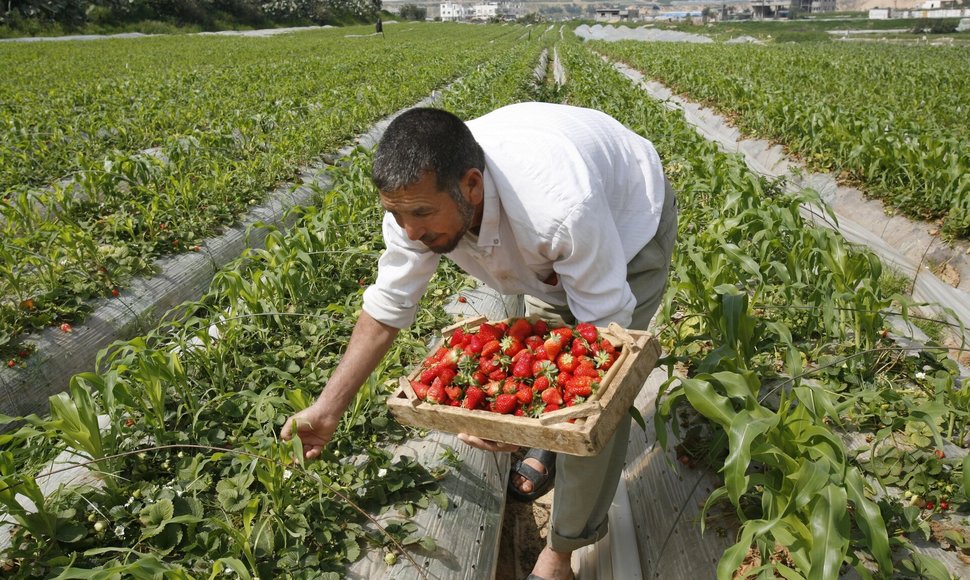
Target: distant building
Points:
x,y
451,11
813,6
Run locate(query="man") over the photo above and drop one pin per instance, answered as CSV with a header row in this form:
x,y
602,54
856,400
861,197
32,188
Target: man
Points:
x,y
561,204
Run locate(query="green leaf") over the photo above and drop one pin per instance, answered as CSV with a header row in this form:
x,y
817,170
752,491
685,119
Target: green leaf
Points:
x,y
869,519
709,403
742,433
829,522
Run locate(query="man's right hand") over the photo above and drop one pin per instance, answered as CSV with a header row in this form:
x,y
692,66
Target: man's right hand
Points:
x,y
315,425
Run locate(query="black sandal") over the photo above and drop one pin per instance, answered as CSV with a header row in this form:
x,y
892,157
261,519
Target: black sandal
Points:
x,y
541,482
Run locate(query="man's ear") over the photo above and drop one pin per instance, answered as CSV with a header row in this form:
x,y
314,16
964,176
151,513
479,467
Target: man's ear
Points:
x,y
473,186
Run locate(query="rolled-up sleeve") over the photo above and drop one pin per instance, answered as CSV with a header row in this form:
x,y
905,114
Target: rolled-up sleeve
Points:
x,y
403,273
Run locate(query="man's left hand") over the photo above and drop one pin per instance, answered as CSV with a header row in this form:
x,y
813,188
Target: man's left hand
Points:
x,y
486,444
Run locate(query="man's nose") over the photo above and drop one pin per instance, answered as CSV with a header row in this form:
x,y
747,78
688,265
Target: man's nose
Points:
x,y
414,232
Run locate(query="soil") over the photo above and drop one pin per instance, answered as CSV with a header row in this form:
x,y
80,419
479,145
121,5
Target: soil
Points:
x,y
524,530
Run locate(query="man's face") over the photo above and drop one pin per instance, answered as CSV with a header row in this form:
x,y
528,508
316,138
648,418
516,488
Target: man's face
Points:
x,y
429,215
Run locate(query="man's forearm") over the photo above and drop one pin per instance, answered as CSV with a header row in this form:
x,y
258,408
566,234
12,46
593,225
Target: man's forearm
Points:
x,y
368,344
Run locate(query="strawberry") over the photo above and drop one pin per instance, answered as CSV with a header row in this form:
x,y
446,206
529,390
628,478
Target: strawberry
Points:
x,y
487,333
497,375
540,328
428,374
520,329
454,392
511,345
420,389
522,364
493,388
475,345
474,397
581,386
586,368
479,377
551,407
436,393
541,384
510,386
587,331
505,404
551,396
490,348
447,375
65,327
457,337
534,343
564,333
115,292
503,327
579,347
545,368
567,362
553,346
524,395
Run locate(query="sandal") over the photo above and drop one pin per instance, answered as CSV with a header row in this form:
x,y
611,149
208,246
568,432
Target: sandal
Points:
x,y
541,482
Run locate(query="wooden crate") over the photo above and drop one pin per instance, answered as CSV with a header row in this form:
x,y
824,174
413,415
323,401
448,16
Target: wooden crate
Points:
x,y
596,418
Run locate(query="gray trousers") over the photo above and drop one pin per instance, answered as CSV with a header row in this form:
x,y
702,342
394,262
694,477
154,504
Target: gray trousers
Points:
x,y
585,485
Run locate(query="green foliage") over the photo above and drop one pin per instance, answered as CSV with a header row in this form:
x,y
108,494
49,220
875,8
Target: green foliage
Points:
x,y
904,137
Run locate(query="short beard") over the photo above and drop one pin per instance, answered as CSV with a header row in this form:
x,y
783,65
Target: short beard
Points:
x,y
466,212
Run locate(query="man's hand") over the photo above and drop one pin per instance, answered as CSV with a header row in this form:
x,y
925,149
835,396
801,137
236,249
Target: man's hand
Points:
x,y
315,426
486,444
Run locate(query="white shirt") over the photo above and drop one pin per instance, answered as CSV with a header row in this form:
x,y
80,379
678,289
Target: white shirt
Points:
x,y
567,190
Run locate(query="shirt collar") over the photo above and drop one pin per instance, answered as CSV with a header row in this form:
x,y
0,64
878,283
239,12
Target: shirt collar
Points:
x,y
488,232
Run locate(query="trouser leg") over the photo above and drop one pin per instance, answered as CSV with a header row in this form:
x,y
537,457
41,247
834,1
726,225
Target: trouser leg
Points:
x,y
585,486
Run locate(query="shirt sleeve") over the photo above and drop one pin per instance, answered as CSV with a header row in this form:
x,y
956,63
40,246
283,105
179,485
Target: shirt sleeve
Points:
x,y
591,267
403,273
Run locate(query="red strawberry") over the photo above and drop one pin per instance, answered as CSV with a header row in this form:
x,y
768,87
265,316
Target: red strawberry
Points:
x,y
581,386
457,337
564,333
487,332
479,377
551,407
553,346
497,375
541,328
511,386
65,327
545,368
503,327
420,389
588,332
541,384
475,345
551,396
447,375
534,343
490,348
520,329
436,393
567,362
522,364
115,292
505,404
586,369
428,375
524,395
474,397
511,345
454,392
493,388
11,363
579,348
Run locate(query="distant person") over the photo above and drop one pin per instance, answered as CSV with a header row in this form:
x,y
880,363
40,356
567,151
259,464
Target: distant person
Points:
x,y
379,27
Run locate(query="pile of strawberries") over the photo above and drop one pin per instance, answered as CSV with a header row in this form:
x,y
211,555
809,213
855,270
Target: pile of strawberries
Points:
x,y
519,368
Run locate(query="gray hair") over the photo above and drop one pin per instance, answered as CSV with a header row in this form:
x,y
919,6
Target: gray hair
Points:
x,y
424,140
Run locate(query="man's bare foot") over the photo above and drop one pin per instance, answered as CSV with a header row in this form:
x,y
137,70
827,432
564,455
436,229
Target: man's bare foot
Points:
x,y
553,565
523,484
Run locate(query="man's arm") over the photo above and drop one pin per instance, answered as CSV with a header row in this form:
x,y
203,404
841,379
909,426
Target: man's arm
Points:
x,y
316,424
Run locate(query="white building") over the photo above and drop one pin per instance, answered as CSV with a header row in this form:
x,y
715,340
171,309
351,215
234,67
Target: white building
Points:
x,y
485,11
452,11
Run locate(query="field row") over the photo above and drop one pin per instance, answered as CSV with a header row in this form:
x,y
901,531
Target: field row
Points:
x,y
892,118
162,154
